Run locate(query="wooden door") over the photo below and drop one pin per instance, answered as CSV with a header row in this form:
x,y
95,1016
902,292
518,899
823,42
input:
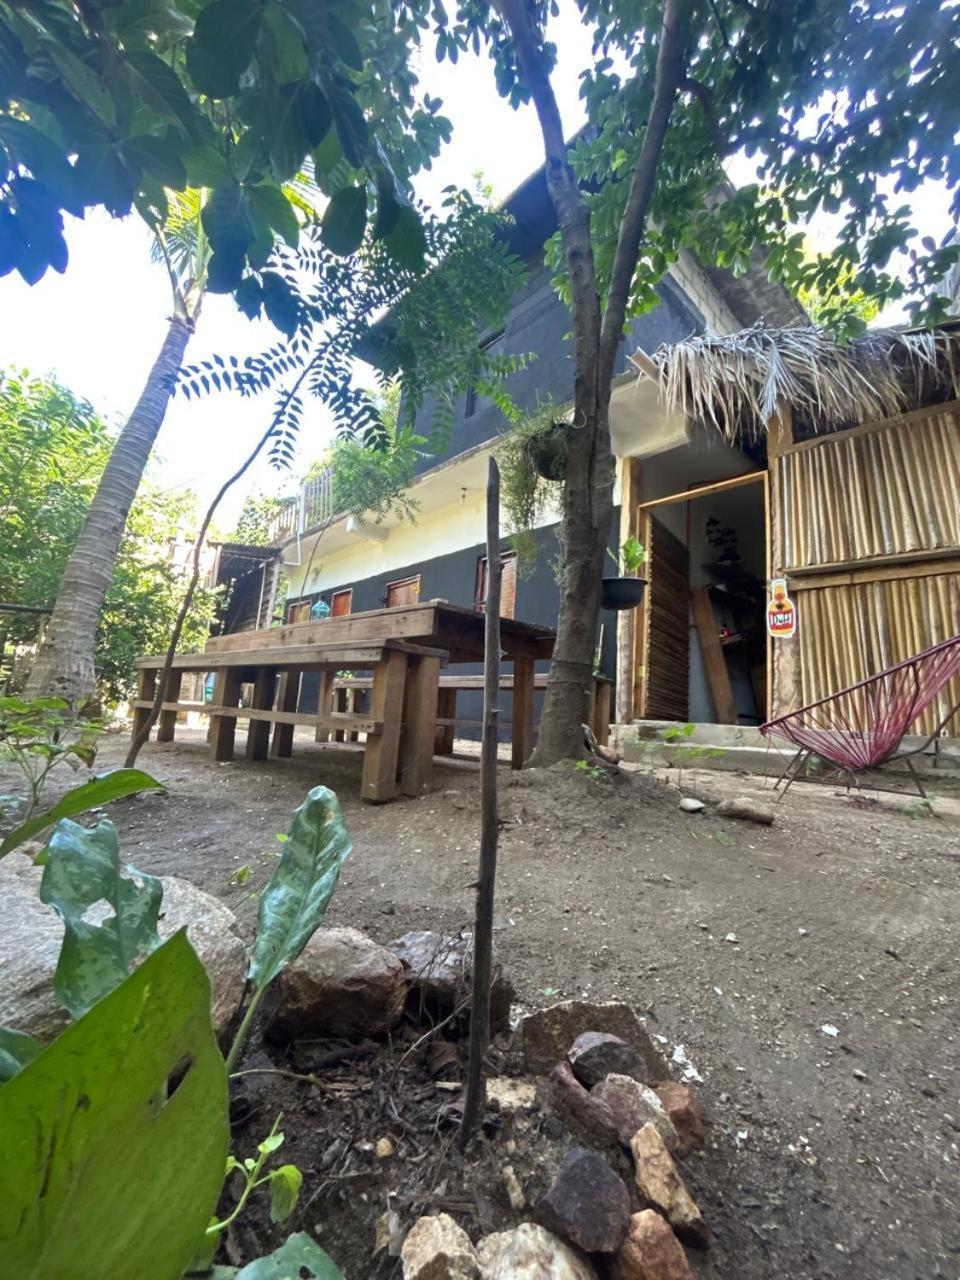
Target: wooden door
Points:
x,y
666,649
341,602
403,591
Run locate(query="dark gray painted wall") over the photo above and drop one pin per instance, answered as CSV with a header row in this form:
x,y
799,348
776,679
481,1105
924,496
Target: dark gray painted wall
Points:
x,y
453,577
538,324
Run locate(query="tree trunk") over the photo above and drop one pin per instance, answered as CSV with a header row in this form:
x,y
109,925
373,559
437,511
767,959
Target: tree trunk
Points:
x,y
64,666
587,513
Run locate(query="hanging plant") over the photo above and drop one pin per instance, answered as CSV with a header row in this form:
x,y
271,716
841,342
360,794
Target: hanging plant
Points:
x,y
532,457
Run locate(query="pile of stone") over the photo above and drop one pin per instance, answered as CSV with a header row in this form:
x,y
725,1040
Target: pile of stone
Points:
x,y
604,1212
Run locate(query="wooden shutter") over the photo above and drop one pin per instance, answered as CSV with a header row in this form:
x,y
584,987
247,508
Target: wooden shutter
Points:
x,y
403,591
668,643
508,585
341,603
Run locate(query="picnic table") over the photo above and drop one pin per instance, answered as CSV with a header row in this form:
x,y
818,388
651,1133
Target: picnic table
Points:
x,y
403,647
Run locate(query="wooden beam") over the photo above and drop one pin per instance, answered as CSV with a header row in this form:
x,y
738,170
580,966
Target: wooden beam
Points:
x,y
168,719
906,564
258,734
522,734
719,486
420,724
223,725
146,692
379,780
446,718
627,622
711,651
288,698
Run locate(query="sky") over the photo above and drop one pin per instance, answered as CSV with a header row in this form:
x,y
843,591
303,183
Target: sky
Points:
x,y
99,326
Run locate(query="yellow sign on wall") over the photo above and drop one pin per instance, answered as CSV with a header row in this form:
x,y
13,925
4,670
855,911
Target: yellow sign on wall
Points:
x,y
781,611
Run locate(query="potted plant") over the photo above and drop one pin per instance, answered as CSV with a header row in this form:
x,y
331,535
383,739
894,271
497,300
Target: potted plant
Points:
x,y
535,445
547,449
626,590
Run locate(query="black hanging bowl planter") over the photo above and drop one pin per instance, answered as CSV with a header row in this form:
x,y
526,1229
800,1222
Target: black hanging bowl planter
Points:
x,y
622,593
548,452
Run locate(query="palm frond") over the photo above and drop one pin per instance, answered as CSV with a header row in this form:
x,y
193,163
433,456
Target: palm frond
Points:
x,y
737,383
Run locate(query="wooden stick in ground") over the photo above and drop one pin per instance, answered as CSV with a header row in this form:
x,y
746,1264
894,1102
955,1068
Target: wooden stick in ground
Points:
x,y
489,825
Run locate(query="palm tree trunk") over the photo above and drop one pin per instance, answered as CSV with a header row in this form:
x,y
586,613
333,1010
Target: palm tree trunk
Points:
x,y
64,666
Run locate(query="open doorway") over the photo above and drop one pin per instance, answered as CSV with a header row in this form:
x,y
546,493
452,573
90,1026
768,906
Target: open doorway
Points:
x,y
703,645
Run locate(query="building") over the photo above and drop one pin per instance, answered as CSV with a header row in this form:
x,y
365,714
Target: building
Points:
x,y
354,565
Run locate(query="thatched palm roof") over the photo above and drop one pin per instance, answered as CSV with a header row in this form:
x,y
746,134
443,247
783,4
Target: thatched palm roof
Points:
x,y
737,382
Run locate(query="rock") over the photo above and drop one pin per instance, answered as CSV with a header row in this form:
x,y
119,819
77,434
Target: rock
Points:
x,y
683,1109
438,971
384,1149
651,1251
549,1033
585,1115
510,1096
530,1253
32,935
607,754
689,804
587,1203
437,1249
342,984
633,1105
747,810
597,1054
515,1194
662,1187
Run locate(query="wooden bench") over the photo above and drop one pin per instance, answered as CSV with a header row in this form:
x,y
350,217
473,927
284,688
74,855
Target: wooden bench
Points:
x,y
342,694
399,727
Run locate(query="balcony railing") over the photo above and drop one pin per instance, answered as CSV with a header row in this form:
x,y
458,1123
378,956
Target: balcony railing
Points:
x,y
312,506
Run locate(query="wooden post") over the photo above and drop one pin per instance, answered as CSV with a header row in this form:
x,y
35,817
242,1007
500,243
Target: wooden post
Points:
x,y
382,750
715,664
489,821
324,702
601,711
258,734
223,729
627,621
783,655
420,724
146,692
288,695
523,693
446,710
168,719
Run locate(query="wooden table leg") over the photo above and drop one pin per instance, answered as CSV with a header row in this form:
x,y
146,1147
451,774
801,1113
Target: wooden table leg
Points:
x,y
523,691
223,729
288,696
446,710
146,692
258,735
382,750
420,725
324,703
168,719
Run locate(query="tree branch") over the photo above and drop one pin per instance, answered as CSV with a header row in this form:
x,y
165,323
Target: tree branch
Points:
x,y
571,209
670,74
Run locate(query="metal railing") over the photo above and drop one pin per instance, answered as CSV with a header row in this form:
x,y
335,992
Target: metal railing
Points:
x,y
312,506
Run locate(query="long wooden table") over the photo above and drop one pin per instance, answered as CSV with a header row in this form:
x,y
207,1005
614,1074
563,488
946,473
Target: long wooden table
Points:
x,y
403,647
457,630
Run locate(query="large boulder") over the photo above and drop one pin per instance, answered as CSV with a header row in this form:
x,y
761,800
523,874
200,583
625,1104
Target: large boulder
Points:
x,y
343,984
32,935
530,1253
436,1248
438,968
549,1033
587,1203
633,1104
651,1251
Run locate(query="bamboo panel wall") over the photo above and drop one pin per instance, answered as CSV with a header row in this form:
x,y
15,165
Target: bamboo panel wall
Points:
x,y
889,490
848,632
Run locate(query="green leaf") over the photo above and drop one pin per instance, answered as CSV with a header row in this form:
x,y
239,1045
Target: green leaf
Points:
x,y
159,157
223,44
102,789
115,1136
272,210
206,167
16,1050
287,52
299,1254
344,42
160,88
285,1184
345,220
83,868
296,897
226,220
349,122
273,1142
43,158
280,302
407,242
81,80
249,299
328,154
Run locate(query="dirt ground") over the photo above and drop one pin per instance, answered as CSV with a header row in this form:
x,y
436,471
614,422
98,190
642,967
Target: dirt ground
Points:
x,y
829,1155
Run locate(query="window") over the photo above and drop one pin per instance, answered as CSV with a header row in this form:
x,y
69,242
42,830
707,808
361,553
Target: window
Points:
x,y
490,346
403,591
508,584
341,602
299,610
